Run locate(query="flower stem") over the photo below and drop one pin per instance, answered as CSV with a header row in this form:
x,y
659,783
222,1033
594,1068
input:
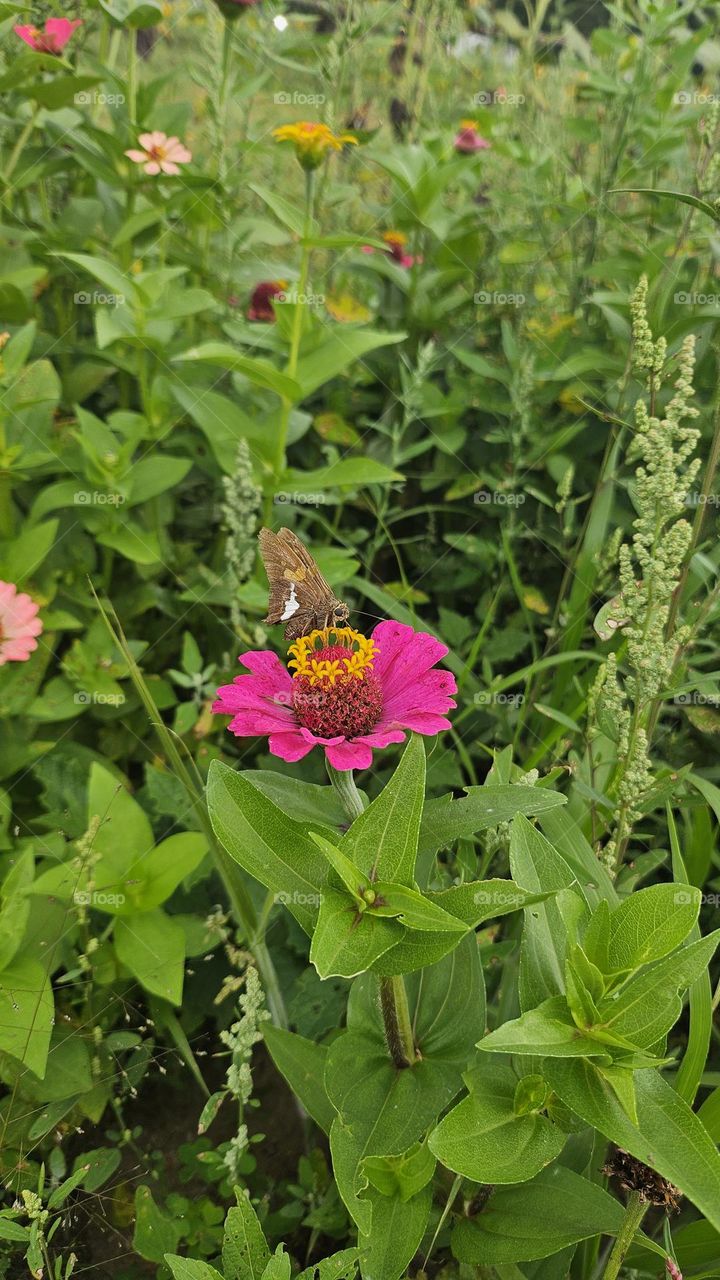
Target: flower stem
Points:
x,y
344,785
132,76
635,1211
393,996
297,319
396,1017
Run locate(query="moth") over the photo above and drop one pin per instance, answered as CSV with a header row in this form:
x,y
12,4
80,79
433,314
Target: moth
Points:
x,y
299,595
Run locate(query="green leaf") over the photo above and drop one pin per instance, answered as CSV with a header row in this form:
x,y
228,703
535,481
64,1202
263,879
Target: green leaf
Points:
x,y
135,543
382,841
285,212
273,848
352,877
668,1136
446,820
479,900
189,1269
351,472
411,908
108,274
27,1012
341,347
339,1266
124,834
245,1252
302,1063
152,476
547,1031
690,1072
398,1227
651,923
346,942
260,372
681,197
152,946
403,1175
156,876
485,1139
650,1003
156,1233
535,1220
27,552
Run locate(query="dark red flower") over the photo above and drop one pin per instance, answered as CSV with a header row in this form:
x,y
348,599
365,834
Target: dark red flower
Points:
x,y
261,307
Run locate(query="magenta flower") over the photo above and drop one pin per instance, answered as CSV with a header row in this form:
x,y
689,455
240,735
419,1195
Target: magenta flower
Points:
x,y
261,300
160,154
348,694
19,624
54,36
468,139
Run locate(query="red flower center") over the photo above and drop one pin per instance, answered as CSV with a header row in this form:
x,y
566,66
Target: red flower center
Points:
x,y
335,693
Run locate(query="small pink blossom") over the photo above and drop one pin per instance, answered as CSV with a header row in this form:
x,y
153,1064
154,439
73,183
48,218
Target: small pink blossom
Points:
x,y
348,697
160,154
54,36
468,139
396,242
19,624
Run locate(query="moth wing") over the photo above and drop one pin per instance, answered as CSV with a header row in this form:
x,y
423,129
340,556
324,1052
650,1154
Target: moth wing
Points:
x,y
291,568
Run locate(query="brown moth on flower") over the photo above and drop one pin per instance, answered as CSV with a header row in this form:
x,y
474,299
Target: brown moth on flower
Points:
x,y
299,595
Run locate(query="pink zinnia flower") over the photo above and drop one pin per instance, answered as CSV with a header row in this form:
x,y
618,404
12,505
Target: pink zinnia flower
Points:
x,y
396,242
261,307
468,139
19,624
347,694
160,154
53,38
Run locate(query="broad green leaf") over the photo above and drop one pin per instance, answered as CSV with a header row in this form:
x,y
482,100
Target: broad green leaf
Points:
x,y
561,828
190,1269
151,476
339,1266
223,423
413,909
273,848
302,1063
485,1139
351,472
285,212
354,880
446,820
382,841
120,285
668,1136
650,1003
651,923
547,1031
27,552
341,347
160,873
681,197
27,1012
522,1223
692,1066
261,372
479,900
124,834
245,1251
134,542
156,1232
403,1175
309,802
397,1230
152,946
346,942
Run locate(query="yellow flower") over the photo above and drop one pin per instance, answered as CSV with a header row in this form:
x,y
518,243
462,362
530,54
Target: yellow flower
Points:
x,y
312,140
362,653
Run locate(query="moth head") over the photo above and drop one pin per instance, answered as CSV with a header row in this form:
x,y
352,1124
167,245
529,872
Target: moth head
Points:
x,y
340,614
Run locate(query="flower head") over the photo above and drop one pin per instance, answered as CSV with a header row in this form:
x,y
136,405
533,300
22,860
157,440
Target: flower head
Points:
x,y
261,298
19,624
469,139
160,154
347,693
396,242
312,141
53,37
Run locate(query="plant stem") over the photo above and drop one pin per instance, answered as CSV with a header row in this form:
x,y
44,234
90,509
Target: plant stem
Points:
x,y
132,76
398,1027
393,996
297,320
635,1211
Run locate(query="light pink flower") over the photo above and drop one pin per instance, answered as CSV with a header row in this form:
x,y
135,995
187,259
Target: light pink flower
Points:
x,y
54,36
19,624
468,138
160,154
348,695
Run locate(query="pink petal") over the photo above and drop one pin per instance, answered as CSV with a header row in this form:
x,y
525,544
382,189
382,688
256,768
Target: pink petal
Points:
x,y
152,167
147,140
381,737
352,754
426,722
62,29
289,746
138,156
16,650
260,702
167,166
171,142
26,34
